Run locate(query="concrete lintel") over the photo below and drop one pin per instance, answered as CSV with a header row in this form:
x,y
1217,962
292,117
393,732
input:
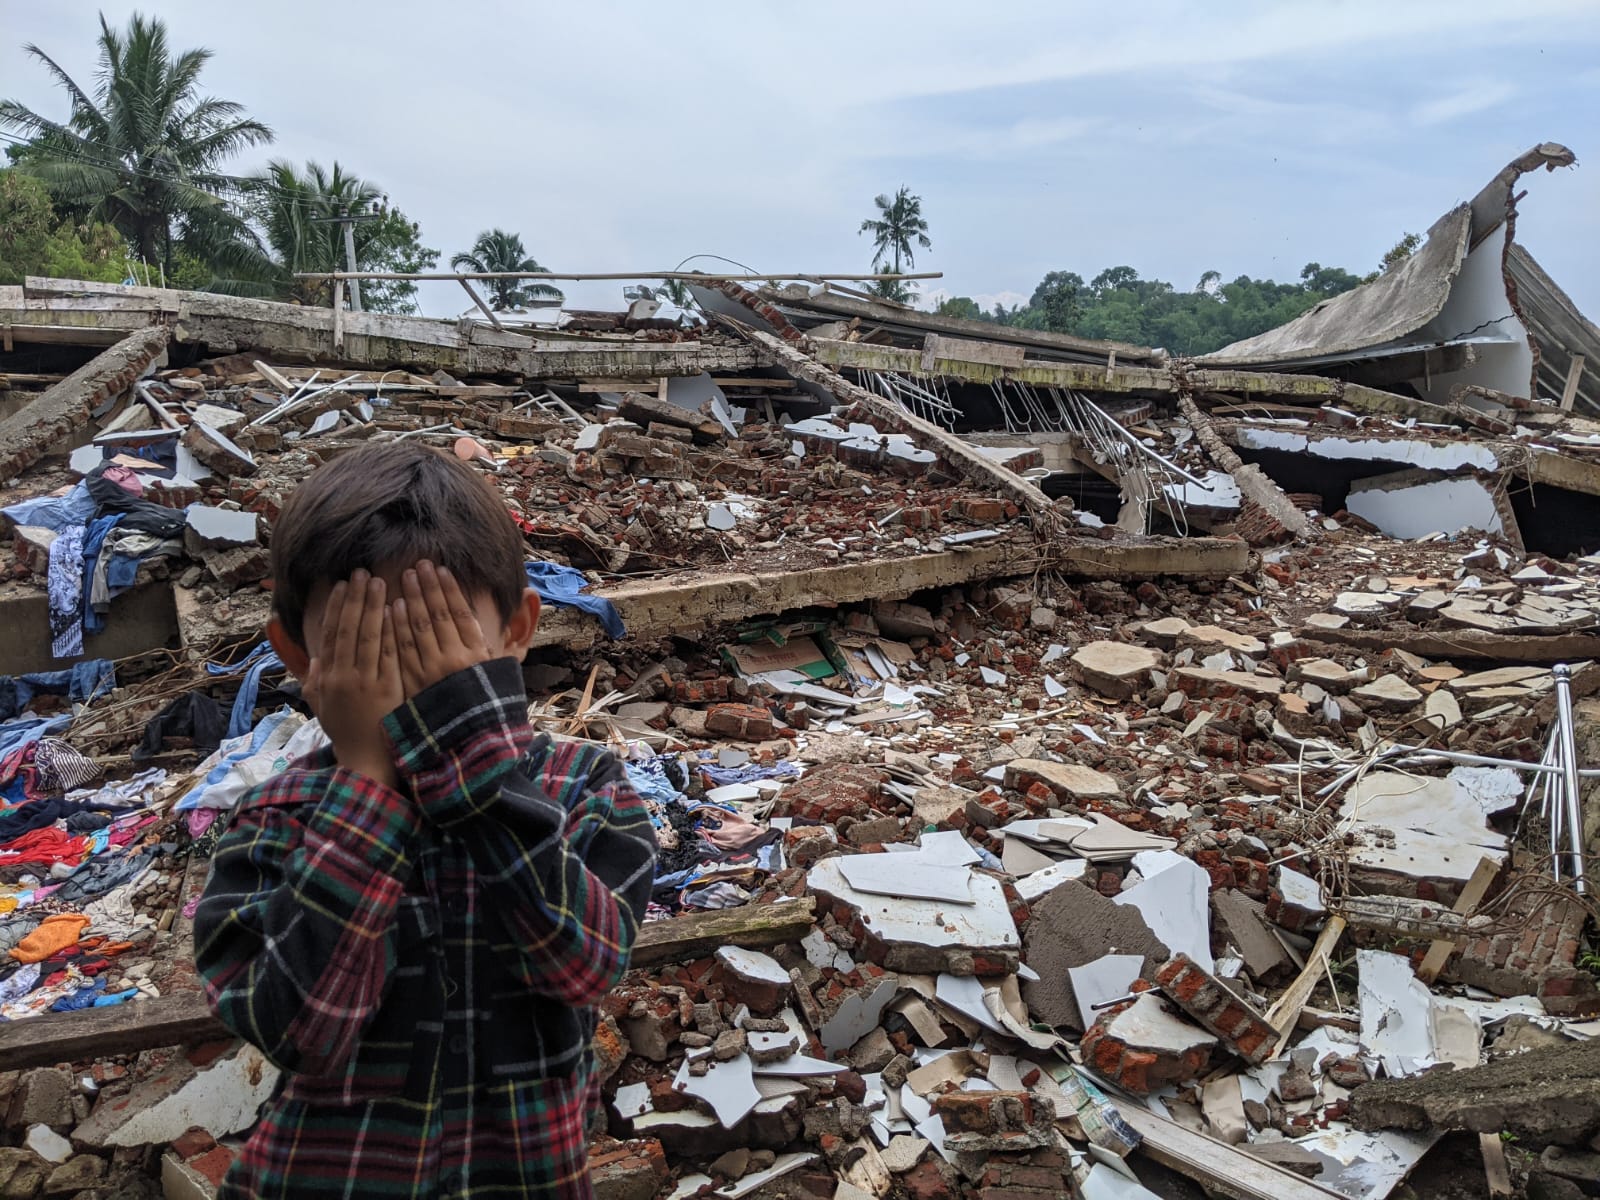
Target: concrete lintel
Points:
x,y
657,608
142,619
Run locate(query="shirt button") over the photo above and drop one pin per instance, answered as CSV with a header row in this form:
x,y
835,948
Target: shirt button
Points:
x,y
458,1044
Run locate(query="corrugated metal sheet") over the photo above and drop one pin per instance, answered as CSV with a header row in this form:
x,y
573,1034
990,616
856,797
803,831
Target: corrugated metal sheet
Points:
x,y
1559,330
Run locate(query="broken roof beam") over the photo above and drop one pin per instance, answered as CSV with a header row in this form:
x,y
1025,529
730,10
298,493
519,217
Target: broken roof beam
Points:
x,y
697,934
977,468
655,608
62,409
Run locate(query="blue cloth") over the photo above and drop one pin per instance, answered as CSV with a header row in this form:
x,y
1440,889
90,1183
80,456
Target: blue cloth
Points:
x,y
84,997
563,587
55,512
270,722
114,998
749,773
25,731
255,664
83,681
99,529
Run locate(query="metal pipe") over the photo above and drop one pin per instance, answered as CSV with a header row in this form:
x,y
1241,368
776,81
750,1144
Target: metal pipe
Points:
x,y
686,276
1569,764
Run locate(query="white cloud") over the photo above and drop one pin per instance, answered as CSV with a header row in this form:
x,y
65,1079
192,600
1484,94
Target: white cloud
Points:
x,y
1462,103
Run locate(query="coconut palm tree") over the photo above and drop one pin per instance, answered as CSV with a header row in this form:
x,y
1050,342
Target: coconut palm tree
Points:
x,y
296,209
143,150
497,250
897,226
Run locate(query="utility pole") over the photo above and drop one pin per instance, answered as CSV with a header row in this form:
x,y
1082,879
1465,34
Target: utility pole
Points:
x,y
350,256
348,222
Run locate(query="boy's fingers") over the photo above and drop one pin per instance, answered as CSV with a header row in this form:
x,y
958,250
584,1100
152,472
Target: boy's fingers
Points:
x,y
355,603
461,614
369,641
405,648
332,612
388,652
417,615
444,626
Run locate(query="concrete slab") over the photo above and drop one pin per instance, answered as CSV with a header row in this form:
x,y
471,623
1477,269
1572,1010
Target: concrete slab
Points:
x,y
1115,669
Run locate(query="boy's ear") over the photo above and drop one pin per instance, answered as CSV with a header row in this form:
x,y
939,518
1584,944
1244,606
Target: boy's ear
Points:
x,y
294,655
520,626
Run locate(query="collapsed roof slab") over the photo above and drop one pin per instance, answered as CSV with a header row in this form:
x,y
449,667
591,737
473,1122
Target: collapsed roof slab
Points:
x,y
296,333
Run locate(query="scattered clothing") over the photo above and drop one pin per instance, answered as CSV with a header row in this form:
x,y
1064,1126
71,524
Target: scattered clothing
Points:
x,y
241,763
55,513
255,664
61,767
80,683
54,933
193,715
65,582
563,586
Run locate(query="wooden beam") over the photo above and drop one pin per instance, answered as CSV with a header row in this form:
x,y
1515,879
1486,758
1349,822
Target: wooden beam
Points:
x,y
1570,391
1471,896
271,375
180,1019
695,935
1220,1168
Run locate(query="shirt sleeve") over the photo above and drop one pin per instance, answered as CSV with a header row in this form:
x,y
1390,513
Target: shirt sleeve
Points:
x,y
566,854
295,932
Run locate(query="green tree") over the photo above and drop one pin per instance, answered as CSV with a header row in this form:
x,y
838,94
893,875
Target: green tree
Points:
x,y
896,231
1327,281
960,306
1399,252
497,250
1058,300
36,240
144,149
298,211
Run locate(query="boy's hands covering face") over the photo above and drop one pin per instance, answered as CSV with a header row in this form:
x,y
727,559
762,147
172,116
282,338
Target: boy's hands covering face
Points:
x,y
354,681
436,631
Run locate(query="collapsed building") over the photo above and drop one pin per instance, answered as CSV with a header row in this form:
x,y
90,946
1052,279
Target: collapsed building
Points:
x,y
1077,770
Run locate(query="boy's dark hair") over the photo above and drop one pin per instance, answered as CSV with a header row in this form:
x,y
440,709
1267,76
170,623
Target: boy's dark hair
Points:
x,y
387,504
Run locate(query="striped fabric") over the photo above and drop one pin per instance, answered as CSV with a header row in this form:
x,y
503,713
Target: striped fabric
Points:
x,y
425,966
62,767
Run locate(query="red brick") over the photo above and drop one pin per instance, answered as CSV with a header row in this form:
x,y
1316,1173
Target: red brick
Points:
x,y
192,1142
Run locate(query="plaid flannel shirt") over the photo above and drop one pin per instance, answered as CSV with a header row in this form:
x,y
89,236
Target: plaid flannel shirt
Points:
x,y
424,965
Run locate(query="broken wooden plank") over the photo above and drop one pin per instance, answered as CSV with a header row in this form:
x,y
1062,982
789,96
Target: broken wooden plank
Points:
x,y
1496,1173
1471,896
1574,375
1215,1165
271,375
1284,1016
179,1019
695,935
1464,643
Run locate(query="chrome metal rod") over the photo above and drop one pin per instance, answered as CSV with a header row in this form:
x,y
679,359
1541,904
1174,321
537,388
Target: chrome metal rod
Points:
x,y
1569,764
1141,447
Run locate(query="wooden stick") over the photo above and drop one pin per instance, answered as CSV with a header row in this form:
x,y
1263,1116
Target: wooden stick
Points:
x,y
482,307
1285,1014
1574,374
1494,1164
1471,896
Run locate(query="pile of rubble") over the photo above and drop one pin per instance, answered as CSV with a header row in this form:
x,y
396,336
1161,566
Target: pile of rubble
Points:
x,y
1175,778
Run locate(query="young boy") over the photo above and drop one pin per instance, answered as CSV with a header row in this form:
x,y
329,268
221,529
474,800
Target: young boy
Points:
x,y
416,924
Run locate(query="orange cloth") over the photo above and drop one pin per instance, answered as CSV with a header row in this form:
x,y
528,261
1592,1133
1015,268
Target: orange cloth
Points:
x,y
54,933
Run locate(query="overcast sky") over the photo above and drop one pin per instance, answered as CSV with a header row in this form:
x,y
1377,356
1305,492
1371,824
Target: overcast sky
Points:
x,y
1041,136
